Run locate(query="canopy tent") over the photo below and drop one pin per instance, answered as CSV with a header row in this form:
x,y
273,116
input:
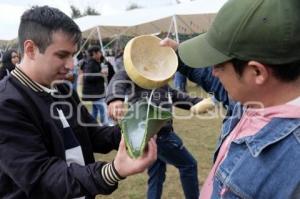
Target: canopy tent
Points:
x,y
187,18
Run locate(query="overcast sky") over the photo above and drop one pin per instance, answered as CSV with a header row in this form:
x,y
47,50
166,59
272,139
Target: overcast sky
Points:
x,y
11,10
11,7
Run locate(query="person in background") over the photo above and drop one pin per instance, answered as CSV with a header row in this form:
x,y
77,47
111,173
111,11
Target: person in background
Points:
x,y
82,60
1,55
119,60
110,58
255,59
47,137
171,149
97,74
9,60
180,82
74,73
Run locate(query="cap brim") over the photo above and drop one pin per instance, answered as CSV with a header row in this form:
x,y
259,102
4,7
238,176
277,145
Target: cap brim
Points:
x,y
197,52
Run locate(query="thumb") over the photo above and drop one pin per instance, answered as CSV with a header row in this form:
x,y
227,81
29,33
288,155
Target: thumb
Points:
x,y
193,109
122,146
163,42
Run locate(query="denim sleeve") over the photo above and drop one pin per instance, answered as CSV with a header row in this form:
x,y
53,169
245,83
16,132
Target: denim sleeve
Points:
x,y
204,78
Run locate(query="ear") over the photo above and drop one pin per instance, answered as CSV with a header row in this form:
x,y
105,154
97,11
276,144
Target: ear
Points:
x,y
30,49
260,72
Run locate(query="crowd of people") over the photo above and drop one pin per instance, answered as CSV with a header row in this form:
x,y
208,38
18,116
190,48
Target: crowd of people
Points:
x,y
248,59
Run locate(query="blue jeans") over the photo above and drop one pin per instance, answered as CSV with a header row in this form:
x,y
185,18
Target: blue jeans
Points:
x,y
180,82
100,107
172,151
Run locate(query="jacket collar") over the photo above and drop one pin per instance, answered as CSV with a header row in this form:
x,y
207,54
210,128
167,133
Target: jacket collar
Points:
x,y
25,80
276,130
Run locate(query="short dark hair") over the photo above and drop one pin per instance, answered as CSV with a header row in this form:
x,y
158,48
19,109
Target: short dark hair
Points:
x,y
39,23
284,72
239,65
93,49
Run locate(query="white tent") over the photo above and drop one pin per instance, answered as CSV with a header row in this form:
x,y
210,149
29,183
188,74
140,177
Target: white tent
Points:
x,y
191,17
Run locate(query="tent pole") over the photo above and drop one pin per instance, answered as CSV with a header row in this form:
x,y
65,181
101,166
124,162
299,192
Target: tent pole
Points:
x,y
175,28
116,37
170,28
100,40
82,46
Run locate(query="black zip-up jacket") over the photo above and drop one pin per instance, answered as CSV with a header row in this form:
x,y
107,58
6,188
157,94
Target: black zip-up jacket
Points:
x,y
32,153
121,85
94,84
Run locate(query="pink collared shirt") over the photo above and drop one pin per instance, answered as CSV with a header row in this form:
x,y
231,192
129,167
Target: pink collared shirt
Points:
x,y
251,122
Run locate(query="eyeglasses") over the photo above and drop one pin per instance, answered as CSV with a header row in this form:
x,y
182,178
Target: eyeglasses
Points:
x,y
14,56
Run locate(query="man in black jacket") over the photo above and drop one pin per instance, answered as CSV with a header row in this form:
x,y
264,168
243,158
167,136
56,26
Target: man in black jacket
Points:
x,y
97,73
47,137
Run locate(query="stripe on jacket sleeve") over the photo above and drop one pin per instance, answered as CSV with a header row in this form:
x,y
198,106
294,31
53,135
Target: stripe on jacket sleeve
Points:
x,y
109,174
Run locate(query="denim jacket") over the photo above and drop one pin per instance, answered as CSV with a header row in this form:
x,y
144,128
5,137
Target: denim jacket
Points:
x,y
263,166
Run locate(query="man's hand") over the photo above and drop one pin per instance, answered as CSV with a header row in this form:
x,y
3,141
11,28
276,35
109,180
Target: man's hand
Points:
x,y
127,166
169,43
116,110
203,106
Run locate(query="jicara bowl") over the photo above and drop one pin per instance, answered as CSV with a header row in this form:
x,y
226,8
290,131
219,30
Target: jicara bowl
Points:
x,y
147,63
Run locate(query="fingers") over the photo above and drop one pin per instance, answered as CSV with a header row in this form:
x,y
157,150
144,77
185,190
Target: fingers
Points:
x,y
163,42
122,146
151,153
203,106
166,42
153,147
116,110
127,166
193,110
119,113
110,111
148,158
169,43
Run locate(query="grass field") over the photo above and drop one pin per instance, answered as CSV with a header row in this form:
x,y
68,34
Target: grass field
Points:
x,y
199,136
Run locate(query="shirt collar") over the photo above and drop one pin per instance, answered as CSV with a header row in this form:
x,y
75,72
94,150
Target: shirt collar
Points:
x,y
47,90
26,81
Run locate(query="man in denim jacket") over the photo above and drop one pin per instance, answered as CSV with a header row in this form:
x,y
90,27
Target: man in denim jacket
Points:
x,y
254,49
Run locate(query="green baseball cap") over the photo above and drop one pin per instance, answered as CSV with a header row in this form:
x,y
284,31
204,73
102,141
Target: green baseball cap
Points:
x,y
267,31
